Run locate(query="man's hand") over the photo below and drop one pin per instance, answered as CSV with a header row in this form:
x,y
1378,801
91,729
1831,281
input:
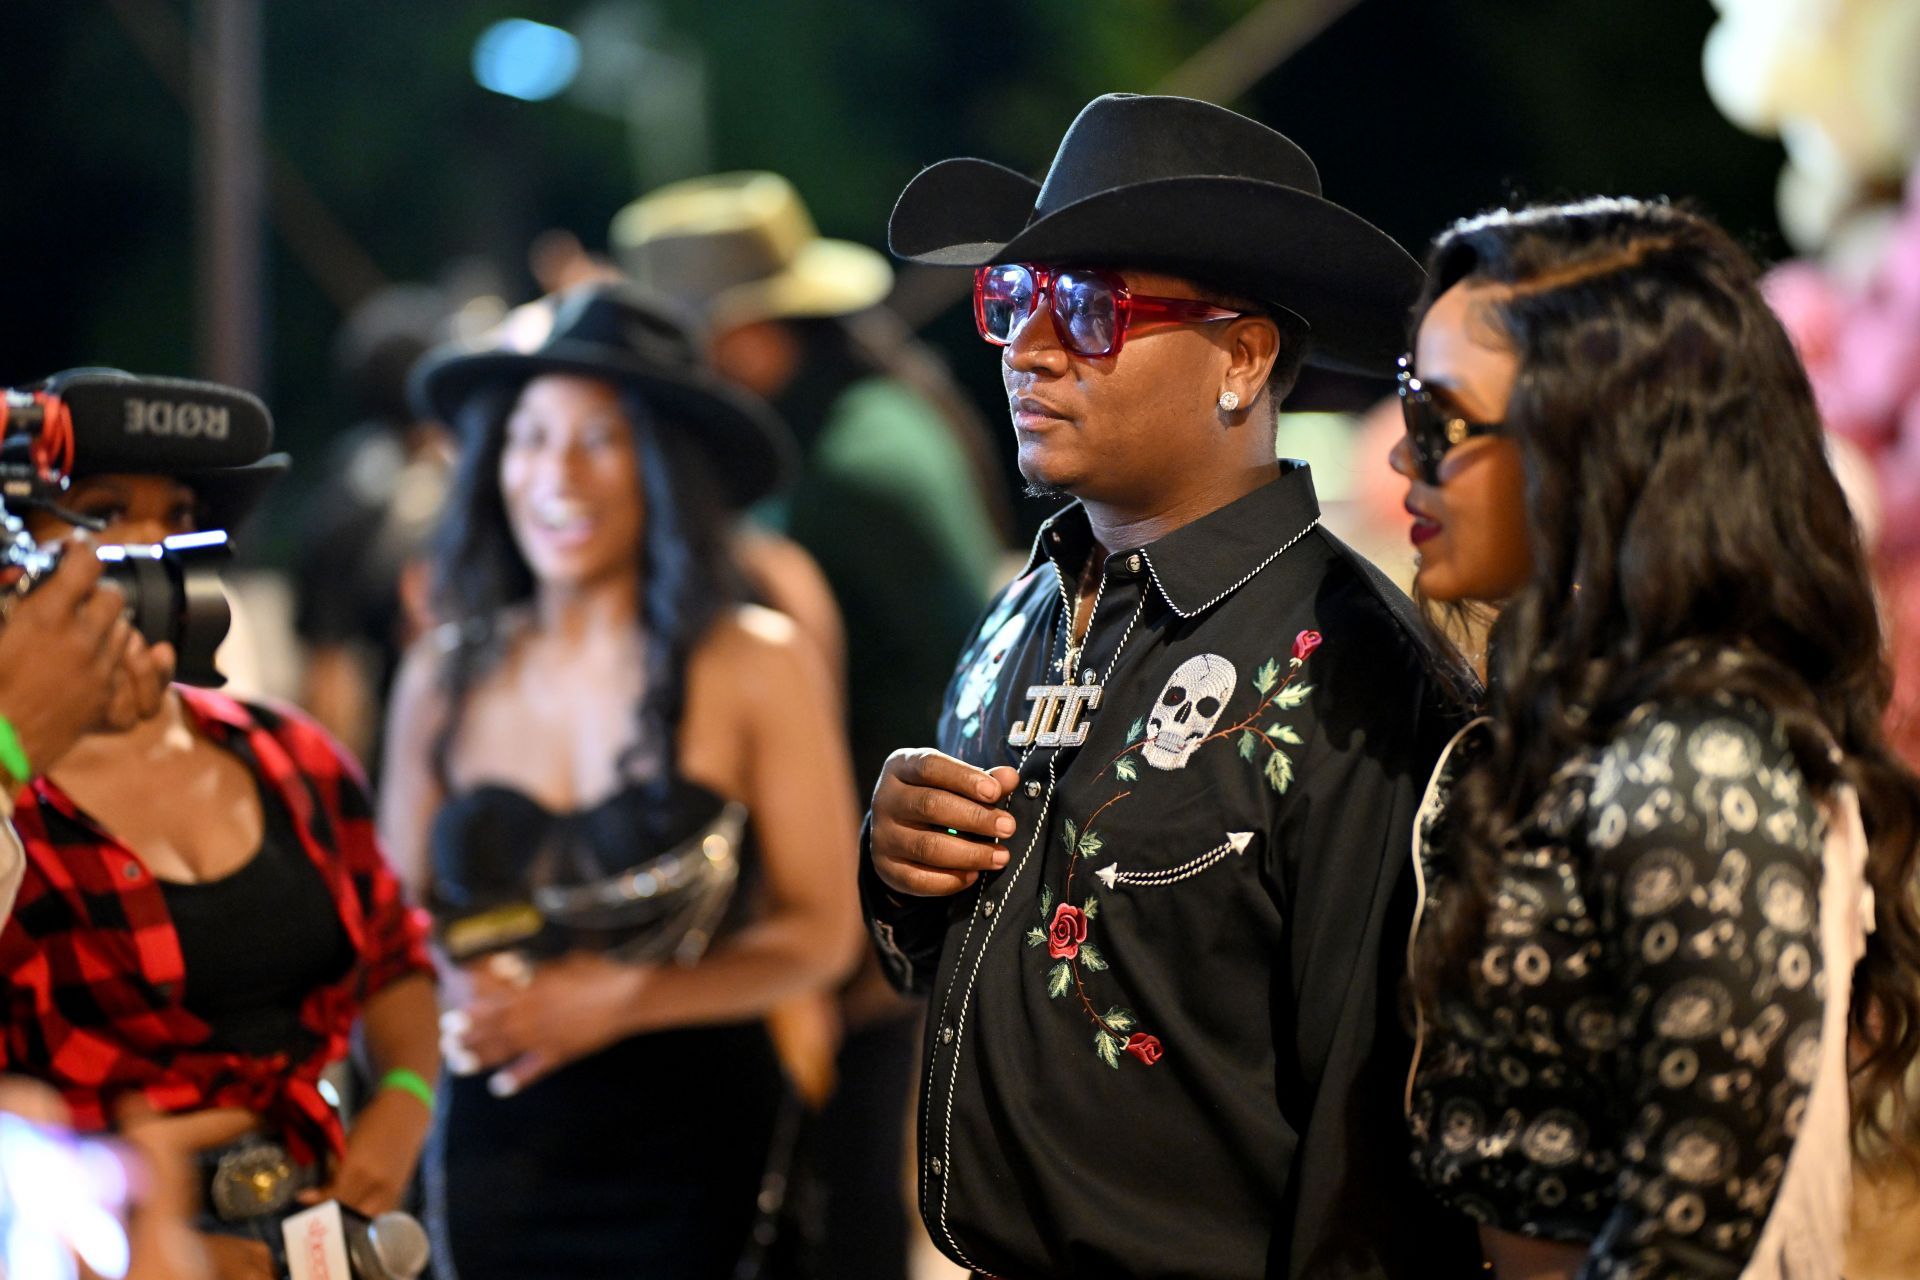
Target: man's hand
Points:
x,y
71,663
923,798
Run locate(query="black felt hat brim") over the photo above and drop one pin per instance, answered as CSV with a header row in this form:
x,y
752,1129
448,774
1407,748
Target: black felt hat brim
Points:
x,y
751,451
1350,281
225,496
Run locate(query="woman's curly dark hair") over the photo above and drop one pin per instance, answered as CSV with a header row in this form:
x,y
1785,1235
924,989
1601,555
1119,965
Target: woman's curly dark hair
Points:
x,y
1688,536
686,574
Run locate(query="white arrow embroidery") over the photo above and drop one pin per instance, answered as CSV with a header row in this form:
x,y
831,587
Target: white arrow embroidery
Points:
x,y
1111,875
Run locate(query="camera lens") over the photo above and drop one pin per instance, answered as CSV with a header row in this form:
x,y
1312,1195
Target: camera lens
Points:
x,y
173,595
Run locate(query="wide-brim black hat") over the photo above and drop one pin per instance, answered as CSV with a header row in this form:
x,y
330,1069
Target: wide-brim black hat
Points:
x,y
632,338
225,496
1188,188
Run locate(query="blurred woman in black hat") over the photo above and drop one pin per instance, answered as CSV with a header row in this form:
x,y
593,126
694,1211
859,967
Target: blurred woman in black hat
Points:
x,y
206,917
574,762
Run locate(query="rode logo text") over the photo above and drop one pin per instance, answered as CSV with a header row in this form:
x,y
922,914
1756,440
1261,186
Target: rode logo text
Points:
x,y
181,418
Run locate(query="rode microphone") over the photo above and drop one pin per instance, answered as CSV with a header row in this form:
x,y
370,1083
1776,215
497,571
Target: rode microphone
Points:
x,y
104,420
333,1242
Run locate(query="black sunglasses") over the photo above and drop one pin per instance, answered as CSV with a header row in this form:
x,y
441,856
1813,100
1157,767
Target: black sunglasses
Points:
x,y
1431,429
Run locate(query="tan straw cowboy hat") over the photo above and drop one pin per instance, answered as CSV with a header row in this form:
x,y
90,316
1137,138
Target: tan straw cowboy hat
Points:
x,y
740,247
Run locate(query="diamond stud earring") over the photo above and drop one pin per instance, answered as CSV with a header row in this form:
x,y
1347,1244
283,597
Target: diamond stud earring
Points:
x,y
1229,400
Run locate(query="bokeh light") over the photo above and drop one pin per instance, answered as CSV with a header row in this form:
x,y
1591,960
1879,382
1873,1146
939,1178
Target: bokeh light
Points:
x,y
524,59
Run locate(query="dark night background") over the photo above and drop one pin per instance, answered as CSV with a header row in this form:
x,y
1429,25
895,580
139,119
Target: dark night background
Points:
x,y
1417,111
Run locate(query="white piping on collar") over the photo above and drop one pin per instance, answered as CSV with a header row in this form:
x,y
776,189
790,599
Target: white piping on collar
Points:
x,y
1161,587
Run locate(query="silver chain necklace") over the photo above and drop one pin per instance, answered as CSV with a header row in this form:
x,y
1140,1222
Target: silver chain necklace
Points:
x,y
1058,714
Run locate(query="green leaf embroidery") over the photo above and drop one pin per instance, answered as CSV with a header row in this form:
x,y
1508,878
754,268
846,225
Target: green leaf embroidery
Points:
x,y
1119,1019
1108,1046
1091,908
1285,733
1046,903
1125,769
1073,834
1135,729
1291,696
1267,676
1090,956
1248,743
1090,845
1036,936
1279,771
1059,980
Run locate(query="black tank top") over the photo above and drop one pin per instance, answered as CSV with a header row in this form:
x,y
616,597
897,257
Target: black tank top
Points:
x,y
257,942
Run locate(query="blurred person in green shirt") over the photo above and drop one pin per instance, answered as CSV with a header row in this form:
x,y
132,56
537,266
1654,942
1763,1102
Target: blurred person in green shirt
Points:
x,y
901,503
898,498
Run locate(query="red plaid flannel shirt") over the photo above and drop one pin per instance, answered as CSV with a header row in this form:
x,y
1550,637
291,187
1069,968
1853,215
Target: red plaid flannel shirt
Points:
x,y
91,975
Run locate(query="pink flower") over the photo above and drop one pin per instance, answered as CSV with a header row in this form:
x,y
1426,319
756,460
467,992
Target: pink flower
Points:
x,y
1830,398
1067,932
1899,281
1304,644
1899,469
1810,308
1144,1047
1878,367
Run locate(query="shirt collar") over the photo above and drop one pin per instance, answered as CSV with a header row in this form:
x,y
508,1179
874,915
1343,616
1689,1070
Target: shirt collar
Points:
x,y
1202,563
207,708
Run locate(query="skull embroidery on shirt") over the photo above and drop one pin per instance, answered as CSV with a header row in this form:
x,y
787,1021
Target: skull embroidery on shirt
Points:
x,y
1187,710
982,681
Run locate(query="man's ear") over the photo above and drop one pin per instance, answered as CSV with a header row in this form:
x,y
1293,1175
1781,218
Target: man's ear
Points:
x,y
1253,347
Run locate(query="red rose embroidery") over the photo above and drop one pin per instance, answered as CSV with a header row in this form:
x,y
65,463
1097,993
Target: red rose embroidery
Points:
x,y
1304,644
1144,1047
1067,932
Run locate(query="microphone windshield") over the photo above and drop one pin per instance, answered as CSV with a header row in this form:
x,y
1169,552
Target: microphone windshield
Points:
x,y
400,1243
168,425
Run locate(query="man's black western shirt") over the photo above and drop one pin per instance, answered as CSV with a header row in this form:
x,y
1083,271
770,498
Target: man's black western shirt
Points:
x,y
1162,1041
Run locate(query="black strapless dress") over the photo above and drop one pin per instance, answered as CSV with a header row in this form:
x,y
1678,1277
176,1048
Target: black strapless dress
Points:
x,y
646,1159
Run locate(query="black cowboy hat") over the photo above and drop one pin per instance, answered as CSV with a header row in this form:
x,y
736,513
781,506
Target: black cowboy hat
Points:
x,y
629,337
1185,187
223,496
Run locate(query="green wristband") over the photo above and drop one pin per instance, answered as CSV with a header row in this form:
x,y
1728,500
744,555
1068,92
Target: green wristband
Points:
x,y
409,1082
13,756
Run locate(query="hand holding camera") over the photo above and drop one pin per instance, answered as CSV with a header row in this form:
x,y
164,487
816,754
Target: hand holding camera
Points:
x,y
71,662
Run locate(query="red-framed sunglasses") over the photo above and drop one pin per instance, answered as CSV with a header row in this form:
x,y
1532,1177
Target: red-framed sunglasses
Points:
x,y
1092,310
